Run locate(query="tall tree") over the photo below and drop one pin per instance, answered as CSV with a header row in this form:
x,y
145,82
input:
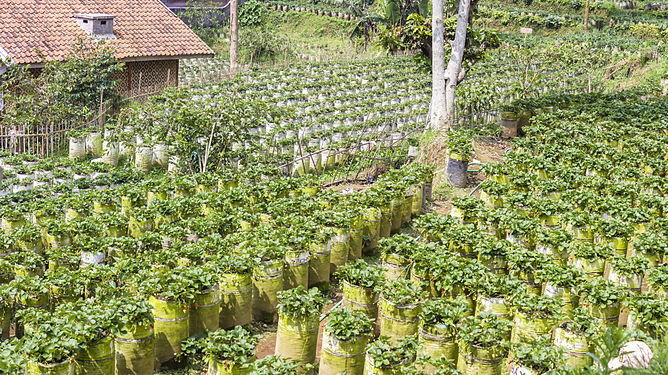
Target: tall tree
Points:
x,y
234,37
453,73
438,114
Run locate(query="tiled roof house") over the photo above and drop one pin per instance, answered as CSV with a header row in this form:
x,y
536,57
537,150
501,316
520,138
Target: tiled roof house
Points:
x,y
145,35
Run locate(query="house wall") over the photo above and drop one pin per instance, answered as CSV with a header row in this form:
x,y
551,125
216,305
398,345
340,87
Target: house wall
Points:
x,y
144,77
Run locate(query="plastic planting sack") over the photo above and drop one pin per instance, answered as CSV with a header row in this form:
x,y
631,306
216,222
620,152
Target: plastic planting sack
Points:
x,y
397,214
493,305
94,144
575,347
96,359
456,171
339,356
371,227
161,156
77,150
205,311
474,360
219,367
371,369
407,209
359,298
267,282
609,315
339,249
420,277
296,270
319,265
396,267
171,327
135,353
236,303
397,321
528,329
356,238
416,205
62,368
143,158
437,343
110,155
297,338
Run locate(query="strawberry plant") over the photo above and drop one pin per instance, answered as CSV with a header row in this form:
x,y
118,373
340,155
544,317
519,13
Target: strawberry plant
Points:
x,y
445,314
298,302
581,323
484,330
537,306
173,284
276,365
232,347
360,273
561,276
345,324
629,267
601,293
403,292
648,314
387,355
539,356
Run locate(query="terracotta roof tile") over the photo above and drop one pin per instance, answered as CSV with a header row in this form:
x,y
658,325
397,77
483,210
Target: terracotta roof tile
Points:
x,y
143,29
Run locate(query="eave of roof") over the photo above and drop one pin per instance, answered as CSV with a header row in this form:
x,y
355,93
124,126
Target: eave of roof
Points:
x,y
145,29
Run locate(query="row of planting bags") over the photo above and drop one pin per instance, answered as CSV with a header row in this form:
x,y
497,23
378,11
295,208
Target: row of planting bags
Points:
x,y
215,295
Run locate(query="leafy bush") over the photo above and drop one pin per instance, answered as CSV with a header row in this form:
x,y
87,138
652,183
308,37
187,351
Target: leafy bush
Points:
x,y
403,292
484,330
236,345
386,354
252,13
299,302
541,356
345,324
361,274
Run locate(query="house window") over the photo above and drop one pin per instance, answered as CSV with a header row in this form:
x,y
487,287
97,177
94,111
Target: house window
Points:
x,y
103,22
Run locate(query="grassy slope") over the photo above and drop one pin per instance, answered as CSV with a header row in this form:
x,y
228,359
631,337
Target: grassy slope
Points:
x,y
310,34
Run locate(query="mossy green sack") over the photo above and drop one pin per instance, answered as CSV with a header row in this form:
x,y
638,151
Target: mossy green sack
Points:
x,y
371,228
575,347
220,367
297,338
437,343
296,269
171,327
371,369
338,356
397,214
397,321
135,351
359,298
319,265
205,311
62,368
474,360
267,282
528,329
236,304
385,221
97,358
339,246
